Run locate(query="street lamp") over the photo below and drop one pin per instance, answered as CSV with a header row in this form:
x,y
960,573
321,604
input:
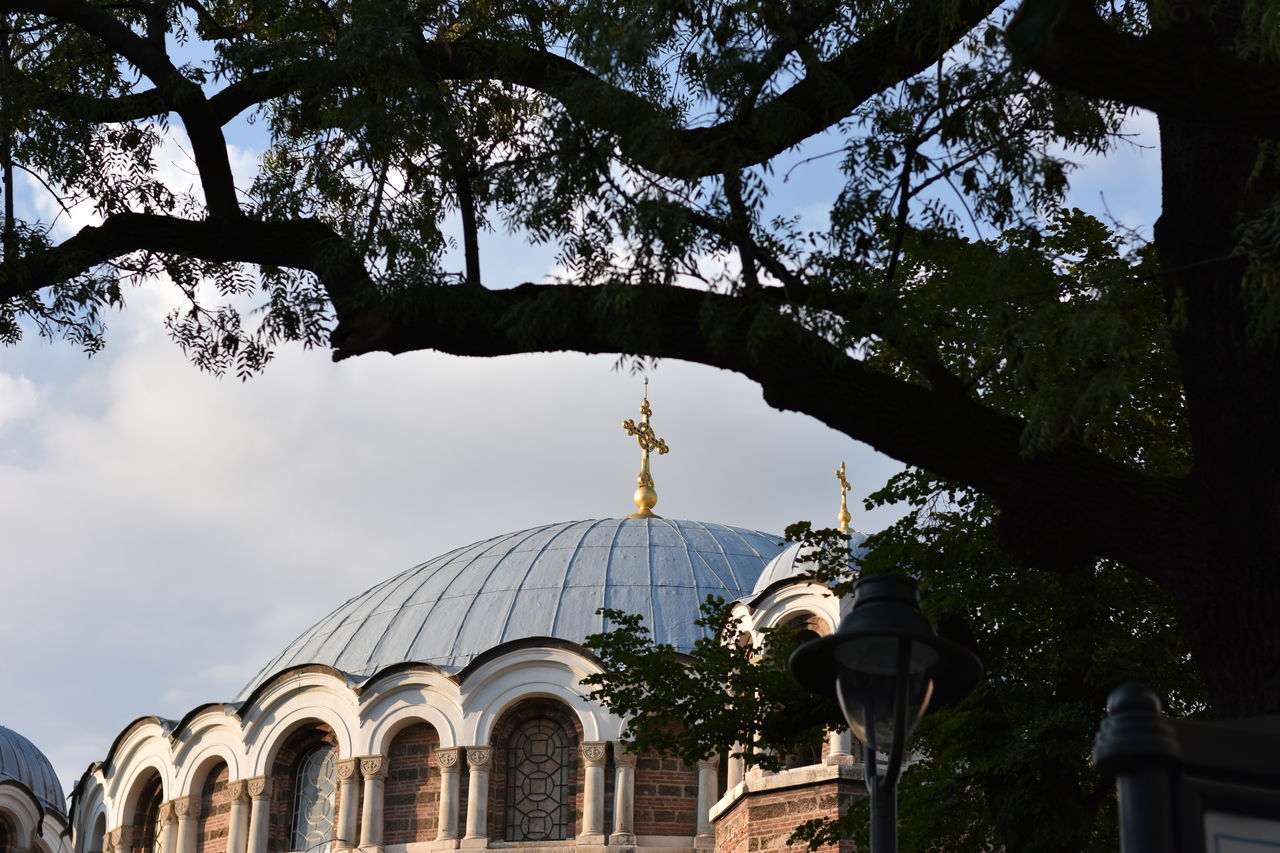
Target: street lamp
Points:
x,y
886,666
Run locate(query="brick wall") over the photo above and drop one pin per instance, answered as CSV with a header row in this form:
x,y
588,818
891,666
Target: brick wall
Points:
x,y
761,821
215,813
666,796
412,793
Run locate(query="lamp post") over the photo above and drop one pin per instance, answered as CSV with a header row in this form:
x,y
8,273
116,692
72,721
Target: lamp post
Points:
x,y
886,666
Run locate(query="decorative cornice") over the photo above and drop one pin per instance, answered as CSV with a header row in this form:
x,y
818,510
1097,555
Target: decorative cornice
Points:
x,y
479,757
259,787
347,769
593,753
373,767
447,758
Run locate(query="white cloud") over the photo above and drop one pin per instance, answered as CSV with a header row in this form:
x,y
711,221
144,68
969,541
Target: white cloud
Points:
x,y
17,399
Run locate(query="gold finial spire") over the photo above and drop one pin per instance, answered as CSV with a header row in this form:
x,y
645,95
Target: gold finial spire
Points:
x,y
646,497
844,517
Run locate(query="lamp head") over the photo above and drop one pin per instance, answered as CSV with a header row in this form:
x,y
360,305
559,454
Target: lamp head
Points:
x,y
884,644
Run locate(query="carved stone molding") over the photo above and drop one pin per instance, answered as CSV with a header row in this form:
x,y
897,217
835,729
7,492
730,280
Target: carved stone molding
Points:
x,y
121,838
166,813
622,755
186,807
259,787
236,791
347,769
447,758
479,757
593,753
373,766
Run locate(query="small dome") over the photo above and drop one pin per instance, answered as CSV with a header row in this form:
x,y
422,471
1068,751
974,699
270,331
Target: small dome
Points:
x,y
544,582
787,564
22,762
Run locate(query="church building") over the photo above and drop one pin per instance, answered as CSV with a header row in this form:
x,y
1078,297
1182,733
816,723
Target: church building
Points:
x,y
443,709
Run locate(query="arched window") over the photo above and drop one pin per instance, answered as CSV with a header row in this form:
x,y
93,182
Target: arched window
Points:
x,y
148,834
539,792
315,783
6,835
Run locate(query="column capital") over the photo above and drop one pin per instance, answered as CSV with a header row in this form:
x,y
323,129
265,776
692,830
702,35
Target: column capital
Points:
x,y
712,762
259,787
373,766
166,812
121,837
480,757
346,768
593,753
237,791
186,807
623,755
447,759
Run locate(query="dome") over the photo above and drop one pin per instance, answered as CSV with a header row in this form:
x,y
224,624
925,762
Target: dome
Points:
x,y
787,565
22,762
544,582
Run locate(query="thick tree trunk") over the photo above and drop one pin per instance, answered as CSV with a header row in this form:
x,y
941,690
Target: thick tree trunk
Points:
x,y
1224,577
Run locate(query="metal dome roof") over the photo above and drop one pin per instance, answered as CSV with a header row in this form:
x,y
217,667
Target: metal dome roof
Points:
x,y
22,762
785,566
544,582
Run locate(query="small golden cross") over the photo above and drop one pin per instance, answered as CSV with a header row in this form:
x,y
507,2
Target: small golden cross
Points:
x,y
844,517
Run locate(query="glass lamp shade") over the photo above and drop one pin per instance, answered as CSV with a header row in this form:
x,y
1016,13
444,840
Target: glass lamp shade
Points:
x,y
871,671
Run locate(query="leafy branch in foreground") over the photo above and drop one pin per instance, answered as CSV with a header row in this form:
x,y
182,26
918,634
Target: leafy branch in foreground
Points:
x,y
729,695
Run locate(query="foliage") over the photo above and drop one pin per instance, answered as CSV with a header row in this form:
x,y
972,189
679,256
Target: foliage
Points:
x,y
732,694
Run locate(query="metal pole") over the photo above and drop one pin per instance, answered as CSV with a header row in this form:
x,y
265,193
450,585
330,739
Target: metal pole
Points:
x,y
884,805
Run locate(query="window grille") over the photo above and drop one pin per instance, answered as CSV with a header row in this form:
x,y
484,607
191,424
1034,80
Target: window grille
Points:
x,y
314,788
538,787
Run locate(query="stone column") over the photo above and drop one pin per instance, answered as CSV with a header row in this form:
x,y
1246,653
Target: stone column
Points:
x,y
238,822
188,811
167,831
348,803
374,770
447,764
259,813
479,762
624,795
840,748
736,769
706,836
593,755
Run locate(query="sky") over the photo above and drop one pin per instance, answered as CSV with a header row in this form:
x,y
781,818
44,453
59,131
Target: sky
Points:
x,y
167,532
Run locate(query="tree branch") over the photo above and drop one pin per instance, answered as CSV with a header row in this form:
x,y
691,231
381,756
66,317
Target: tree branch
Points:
x,y
208,145
1072,488
1068,44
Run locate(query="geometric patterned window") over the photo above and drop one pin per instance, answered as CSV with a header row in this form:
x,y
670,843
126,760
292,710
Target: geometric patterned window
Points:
x,y
314,787
539,760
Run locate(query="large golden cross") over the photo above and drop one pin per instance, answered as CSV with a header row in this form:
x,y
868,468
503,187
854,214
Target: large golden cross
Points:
x,y
646,497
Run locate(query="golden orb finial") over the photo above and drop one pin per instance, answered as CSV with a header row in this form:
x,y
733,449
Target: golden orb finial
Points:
x,y
646,497
844,517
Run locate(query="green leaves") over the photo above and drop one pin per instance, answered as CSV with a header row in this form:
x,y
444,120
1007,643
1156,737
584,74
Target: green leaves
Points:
x,y
731,695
